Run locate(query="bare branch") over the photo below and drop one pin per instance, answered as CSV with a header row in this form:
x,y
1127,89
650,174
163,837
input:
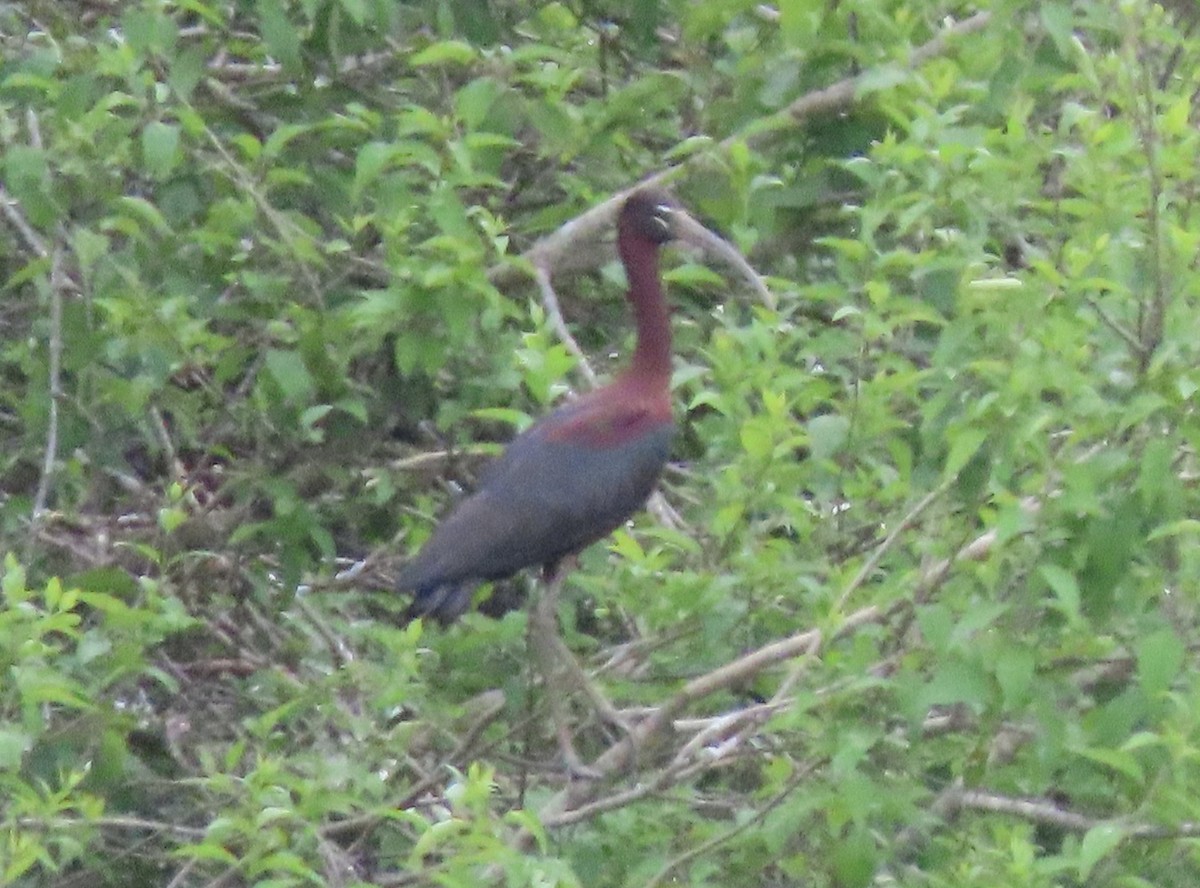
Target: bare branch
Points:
x,y
721,838
1049,812
12,212
841,95
554,313
647,732
889,541
548,253
58,283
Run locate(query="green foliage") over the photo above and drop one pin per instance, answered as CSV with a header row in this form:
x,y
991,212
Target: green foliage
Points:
x,y
267,307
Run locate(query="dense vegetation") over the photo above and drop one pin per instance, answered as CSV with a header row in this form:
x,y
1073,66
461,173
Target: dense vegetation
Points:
x,y
919,602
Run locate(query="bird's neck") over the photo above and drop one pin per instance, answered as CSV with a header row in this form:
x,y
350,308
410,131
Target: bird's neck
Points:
x,y
652,354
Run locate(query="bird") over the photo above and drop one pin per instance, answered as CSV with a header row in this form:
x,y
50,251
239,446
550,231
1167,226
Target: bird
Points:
x,y
581,471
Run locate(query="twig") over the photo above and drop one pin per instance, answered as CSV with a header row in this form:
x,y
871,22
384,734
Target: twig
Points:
x,y
721,838
842,94
340,653
646,732
889,541
17,220
547,253
114,822
1113,324
1048,812
976,550
180,878
57,285
1150,318
550,301
436,457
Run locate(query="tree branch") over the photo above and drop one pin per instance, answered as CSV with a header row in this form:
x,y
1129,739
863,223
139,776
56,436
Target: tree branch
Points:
x,y
548,253
1050,813
58,283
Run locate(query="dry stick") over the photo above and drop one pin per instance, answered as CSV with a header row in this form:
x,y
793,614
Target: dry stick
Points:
x,y
180,878
561,808
883,548
1150,333
1135,344
652,786
114,822
15,218
554,313
721,838
1046,811
548,253
660,722
35,244
57,285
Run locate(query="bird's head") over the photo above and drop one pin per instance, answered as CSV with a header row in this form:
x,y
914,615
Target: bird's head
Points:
x,y
651,214
655,215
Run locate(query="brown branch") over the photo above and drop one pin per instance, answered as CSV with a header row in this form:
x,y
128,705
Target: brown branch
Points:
x,y
646,733
548,253
554,313
1150,316
1047,811
12,212
889,541
976,550
842,94
58,283
1126,336
721,838
72,825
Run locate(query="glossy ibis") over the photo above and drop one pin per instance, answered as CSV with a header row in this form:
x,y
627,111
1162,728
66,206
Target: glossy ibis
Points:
x,y
576,474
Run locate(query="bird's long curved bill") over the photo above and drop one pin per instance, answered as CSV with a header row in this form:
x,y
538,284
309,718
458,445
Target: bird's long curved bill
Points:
x,y
690,231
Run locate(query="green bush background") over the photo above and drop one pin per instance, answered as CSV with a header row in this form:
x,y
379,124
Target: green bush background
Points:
x,y
268,302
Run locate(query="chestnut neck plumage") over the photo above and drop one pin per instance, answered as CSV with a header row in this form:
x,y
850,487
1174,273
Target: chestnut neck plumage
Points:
x,y
651,365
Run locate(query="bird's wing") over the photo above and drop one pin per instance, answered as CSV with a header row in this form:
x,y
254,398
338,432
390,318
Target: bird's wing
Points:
x,y
550,494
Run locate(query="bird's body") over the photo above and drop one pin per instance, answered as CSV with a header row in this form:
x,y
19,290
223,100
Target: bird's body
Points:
x,y
576,474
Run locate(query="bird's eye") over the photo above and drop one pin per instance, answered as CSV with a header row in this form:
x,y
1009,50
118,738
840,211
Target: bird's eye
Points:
x,y
662,218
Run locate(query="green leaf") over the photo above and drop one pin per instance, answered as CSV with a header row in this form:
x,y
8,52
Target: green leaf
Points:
x,y
1065,587
854,860
14,743
281,36
756,437
1098,842
160,148
957,681
27,178
1118,760
446,52
149,31
288,370
475,100
1014,671
826,434
145,215
964,444
356,10
882,77
1160,657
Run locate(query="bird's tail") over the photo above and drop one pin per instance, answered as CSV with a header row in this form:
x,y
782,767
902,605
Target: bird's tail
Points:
x,y
443,603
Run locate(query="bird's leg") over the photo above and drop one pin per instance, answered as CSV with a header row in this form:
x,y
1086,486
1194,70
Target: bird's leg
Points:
x,y
552,658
